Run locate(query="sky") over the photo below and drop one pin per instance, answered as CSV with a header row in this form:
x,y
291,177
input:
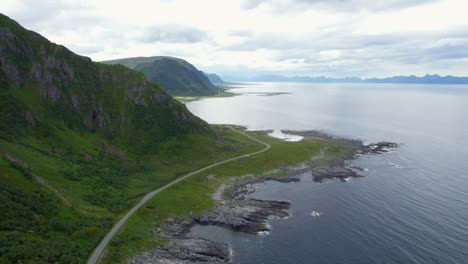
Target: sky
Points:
x,y
236,38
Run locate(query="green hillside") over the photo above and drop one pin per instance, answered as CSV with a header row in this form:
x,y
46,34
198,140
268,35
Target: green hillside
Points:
x,y
80,142
176,76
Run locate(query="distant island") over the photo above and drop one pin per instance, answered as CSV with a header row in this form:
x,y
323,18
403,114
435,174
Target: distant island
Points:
x,y
427,79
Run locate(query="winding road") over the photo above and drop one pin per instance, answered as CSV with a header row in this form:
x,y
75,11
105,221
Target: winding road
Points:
x,y
102,245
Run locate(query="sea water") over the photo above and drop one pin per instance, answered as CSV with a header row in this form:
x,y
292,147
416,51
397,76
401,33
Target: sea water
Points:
x,y
412,206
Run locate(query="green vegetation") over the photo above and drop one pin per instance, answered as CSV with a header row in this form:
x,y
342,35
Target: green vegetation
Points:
x,y
185,99
176,76
99,188
194,195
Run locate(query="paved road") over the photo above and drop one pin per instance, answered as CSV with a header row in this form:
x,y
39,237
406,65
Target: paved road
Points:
x,y
100,248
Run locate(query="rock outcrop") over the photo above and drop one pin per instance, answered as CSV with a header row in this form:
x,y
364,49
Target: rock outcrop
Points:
x,y
186,251
248,216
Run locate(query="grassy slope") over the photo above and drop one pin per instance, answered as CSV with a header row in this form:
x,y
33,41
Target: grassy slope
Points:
x,y
176,76
95,205
194,195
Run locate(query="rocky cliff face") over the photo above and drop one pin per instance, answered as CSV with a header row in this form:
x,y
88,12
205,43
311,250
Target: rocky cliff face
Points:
x,y
43,83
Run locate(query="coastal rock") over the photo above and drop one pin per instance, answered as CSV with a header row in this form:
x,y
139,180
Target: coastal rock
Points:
x,y
377,148
182,251
176,227
248,216
240,191
322,173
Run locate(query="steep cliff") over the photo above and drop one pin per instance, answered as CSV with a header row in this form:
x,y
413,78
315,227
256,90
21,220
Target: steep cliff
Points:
x,y
44,85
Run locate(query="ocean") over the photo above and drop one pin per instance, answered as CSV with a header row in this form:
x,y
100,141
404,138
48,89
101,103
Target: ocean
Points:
x,y
412,206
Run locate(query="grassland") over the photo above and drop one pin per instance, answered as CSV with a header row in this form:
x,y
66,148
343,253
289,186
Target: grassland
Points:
x,y
99,181
194,195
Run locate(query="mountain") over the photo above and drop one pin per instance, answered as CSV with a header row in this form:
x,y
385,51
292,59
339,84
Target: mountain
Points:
x,y
44,83
176,76
79,143
427,79
280,78
214,78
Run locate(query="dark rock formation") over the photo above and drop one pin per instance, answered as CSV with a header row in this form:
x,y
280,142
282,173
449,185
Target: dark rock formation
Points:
x,y
186,250
248,216
377,148
181,249
322,173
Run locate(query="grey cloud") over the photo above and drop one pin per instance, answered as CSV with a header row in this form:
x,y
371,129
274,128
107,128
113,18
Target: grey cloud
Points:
x,y
318,41
241,33
38,12
335,5
251,4
174,34
85,49
361,55
449,51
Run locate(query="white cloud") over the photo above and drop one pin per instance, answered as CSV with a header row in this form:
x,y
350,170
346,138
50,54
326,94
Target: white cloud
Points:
x,y
309,37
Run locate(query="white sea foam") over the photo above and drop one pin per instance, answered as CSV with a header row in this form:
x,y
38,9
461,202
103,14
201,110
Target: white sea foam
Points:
x,y
316,214
279,217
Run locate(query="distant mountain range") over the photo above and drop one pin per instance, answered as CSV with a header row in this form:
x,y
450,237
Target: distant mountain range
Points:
x,y
178,77
427,79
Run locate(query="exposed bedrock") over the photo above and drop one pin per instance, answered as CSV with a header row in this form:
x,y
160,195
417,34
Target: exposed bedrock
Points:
x,y
186,250
248,216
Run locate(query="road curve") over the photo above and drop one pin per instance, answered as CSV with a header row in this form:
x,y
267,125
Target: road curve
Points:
x,y
93,259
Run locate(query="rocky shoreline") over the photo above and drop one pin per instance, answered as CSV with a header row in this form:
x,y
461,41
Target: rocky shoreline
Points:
x,y
238,212
338,168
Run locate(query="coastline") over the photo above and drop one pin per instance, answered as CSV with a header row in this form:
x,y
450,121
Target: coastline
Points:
x,y
236,211
186,99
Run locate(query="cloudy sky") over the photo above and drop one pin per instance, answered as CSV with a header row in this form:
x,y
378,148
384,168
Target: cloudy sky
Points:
x,y
335,38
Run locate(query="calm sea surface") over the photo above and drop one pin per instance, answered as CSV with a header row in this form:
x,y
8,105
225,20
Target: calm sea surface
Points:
x,y
411,208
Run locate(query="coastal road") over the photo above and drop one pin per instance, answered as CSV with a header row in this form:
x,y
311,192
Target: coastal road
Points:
x,y
93,259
